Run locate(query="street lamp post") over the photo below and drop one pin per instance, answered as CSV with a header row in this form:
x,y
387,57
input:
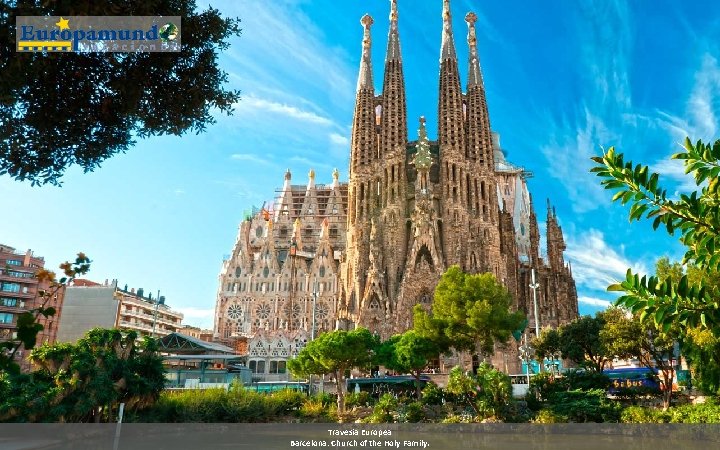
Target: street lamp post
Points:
x,y
526,354
534,286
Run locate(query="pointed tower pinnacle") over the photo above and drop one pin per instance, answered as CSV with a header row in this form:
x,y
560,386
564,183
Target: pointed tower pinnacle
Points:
x,y
393,48
365,80
447,50
474,72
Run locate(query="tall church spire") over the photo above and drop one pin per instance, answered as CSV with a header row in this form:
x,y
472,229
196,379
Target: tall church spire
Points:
x,y
474,72
363,134
393,48
365,80
479,147
450,110
447,50
394,115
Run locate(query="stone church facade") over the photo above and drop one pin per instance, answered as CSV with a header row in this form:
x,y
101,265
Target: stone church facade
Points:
x,y
363,253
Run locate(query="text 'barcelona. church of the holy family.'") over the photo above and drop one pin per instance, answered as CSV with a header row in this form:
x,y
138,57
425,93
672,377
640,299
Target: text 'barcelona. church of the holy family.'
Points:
x,y
363,253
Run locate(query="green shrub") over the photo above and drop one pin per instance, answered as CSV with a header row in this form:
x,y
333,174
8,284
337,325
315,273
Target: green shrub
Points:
x,y
639,414
547,415
326,398
432,395
354,399
288,400
708,412
542,386
382,412
585,406
313,408
586,380
414,412
212,405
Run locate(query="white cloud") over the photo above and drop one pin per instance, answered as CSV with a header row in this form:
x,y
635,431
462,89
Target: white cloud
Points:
x,y
591,301
704,100
254,104
250,158
568,155
703,111
595,264
339,139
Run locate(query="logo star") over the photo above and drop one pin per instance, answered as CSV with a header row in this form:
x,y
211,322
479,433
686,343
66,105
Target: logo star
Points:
x,y
63,24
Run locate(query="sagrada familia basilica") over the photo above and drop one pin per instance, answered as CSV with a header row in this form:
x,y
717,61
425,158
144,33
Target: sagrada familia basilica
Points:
x,y
363,253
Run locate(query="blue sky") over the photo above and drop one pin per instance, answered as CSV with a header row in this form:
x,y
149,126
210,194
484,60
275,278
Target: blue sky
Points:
x,y
563,79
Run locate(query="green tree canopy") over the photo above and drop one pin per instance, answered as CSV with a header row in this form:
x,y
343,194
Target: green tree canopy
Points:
x,y
469,312
580,342
626,337
335,353
408,353
694,215
62,109
84,381
547,344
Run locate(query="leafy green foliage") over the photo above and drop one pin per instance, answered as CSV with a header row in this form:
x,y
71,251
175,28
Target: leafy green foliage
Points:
x,y
27,324
547,344
383,411
408,353
703,413
580,342
85,381
544,387
584,406
335,353
489,393
695,216
469,312
111,97
361,398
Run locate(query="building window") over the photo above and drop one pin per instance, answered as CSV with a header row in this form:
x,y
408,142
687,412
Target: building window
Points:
x,y
10,302
6,318
13,262
257,366
238,271
258,232
10,287
333,232
277,366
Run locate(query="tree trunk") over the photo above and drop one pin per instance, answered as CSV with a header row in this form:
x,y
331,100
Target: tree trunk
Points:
x,y
668,385
340,377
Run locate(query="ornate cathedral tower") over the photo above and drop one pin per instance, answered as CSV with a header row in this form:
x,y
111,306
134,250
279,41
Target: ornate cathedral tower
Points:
x,y
480,182
452,143
393,144
363,187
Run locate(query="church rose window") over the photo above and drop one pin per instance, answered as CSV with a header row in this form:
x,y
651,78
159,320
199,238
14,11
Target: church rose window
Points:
x,y
234,312
322,312
263,311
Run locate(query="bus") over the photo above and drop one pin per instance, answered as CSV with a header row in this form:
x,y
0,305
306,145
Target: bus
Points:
x,y
633,379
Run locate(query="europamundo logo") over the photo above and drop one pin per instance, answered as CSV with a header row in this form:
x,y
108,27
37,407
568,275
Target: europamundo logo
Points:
x,y
98,34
